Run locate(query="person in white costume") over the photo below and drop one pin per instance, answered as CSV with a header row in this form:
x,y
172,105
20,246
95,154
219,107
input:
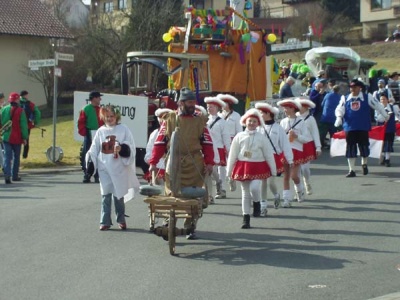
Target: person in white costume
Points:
x,y
312,146
150,144
222,140
250,161
232,119
113,154
276,136
295,128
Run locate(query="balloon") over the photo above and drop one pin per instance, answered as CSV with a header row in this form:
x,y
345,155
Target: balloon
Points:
x,y
254,40
330,60
271,38
246,37
167,37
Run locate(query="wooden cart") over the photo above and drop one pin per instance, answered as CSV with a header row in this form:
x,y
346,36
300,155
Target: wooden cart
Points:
x,y
172,208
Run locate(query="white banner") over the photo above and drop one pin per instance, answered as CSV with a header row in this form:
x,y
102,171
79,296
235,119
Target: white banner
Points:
x,y
134,110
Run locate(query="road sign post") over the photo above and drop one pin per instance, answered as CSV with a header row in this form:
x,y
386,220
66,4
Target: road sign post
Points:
x,y
52,62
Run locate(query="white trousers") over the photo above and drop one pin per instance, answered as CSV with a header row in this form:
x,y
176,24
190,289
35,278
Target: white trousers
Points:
x,y
251,191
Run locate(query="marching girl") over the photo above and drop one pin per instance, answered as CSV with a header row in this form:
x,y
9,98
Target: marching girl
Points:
x,y
295,129
160,113
279,141
390,131
250,161
222,140
232,118
312,146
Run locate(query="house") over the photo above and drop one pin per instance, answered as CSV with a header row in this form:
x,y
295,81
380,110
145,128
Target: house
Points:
x,y
24,26
379,17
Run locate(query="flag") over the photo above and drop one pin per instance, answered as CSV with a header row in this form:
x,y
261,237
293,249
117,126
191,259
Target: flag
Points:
x,y
376,137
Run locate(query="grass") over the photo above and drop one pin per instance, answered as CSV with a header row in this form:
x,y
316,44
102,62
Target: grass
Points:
x,y
38,145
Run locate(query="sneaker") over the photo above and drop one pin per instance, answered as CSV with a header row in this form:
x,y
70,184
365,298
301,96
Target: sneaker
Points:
x,y
211,200
191,236
232,185
365,169
300,196
264,209
308,189
351,174
286,203
221,195
122,226
277,201
104,227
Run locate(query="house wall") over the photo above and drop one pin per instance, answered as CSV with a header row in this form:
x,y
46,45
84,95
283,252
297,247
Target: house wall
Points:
x,y
14,54
371,19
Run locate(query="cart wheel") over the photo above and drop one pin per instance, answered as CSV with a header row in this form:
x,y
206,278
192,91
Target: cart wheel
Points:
x,y
171,232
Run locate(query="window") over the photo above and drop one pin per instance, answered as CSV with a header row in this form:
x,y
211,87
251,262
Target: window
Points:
x,y
108,7
198,4
121,4
381,4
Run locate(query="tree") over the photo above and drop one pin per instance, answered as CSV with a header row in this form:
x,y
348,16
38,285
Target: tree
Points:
x,y
349,9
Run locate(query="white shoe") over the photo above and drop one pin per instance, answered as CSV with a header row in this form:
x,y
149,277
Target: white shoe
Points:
x,y
300,196
286,203
232,185
308,189
211,200
277,200
221,195
264,209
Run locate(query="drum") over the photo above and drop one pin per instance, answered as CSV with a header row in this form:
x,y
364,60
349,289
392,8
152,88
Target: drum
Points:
x,y
58,154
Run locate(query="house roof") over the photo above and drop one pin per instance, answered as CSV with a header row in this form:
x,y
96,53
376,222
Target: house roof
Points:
x,y
30,18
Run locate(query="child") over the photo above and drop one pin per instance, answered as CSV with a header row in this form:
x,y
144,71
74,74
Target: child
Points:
x,y
279,141
160,113
250,161
295,128
221,138
390,127
113,153
312,146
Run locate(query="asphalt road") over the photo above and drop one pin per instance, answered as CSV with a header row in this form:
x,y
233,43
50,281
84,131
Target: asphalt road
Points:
x,y
341,243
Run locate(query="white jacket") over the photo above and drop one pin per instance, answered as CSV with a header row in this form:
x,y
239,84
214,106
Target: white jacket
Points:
x,y
312,132
117,175
279,139
299,129
220,133
254,142
232,121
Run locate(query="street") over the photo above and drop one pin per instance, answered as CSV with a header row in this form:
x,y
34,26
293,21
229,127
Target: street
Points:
x,y
341,243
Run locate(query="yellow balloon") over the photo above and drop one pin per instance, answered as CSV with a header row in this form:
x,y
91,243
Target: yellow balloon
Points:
x,y
166,37
271,38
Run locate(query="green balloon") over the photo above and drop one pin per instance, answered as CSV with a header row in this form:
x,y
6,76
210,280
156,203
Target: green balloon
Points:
x,y
246,37
330,60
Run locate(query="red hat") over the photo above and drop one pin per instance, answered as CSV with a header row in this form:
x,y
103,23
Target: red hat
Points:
x,y
252,112
13,97
265,107
215,100
228,98
305,102
289,103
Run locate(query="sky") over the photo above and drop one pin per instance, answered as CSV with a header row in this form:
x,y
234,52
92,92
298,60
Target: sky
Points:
x,y
86,1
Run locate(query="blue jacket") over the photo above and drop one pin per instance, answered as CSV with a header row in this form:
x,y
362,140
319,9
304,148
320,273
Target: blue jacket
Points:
x,y
329,104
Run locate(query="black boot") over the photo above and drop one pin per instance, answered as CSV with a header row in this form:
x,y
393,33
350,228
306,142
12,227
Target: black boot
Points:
x,y
246,222
256,209
387,162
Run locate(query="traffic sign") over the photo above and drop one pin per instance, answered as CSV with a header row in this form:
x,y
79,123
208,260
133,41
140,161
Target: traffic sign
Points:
x,y
57,72
42,63
64,56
